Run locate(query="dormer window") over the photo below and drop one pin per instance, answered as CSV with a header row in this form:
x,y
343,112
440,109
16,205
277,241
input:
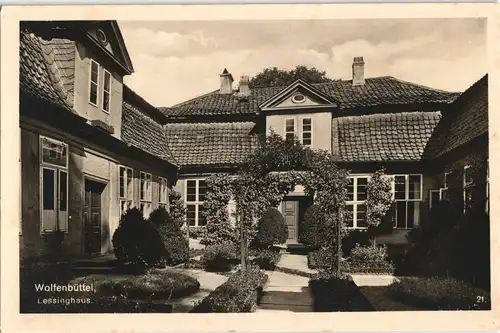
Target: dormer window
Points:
x,y
298,98
94,82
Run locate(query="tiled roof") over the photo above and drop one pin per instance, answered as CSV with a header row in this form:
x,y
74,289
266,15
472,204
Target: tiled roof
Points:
x,y
384,90
141,131
385,137
62,51
466,118
39,75
211,144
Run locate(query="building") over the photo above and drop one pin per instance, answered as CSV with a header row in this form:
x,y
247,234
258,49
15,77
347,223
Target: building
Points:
x,y
416,133
90,147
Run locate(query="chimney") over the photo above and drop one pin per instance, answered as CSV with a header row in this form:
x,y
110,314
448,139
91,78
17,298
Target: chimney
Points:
x,y
226,82
244,87
358,71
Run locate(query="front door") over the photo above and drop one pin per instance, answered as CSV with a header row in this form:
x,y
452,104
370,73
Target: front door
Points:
x,y
92,217
291,214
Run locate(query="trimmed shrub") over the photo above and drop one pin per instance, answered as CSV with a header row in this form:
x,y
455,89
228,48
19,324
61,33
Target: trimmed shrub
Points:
x,y
137,240
332,293
196,232
313,230
267,259
240,293
439,294
220,257
176,245
271,229
177,250
157,285
320,259
368,259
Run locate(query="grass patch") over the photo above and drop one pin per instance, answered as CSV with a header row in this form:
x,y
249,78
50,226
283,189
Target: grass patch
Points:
x,y
433,293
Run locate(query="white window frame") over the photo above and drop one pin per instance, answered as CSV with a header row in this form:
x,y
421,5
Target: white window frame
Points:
x,y
466,185
128,197
92,61
197,203
407,195
104,91
146,201
302,131
487,204
445,179
430,196
162,191
355,202
294,127
57,169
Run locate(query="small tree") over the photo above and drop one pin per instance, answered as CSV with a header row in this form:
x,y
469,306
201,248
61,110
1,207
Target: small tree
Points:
x,y
271,229
273,77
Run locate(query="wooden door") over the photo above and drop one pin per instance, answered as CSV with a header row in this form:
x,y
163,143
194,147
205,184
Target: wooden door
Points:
x,y
291,214
92,217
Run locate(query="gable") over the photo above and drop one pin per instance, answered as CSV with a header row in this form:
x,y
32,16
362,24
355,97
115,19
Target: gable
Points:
x,y
298,95
107,36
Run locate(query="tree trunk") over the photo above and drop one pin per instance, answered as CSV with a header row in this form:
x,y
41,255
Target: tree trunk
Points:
x,y
243,244
339,240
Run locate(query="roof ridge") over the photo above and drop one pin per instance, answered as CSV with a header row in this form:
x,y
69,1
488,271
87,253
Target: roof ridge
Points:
x,y
423,86
188,101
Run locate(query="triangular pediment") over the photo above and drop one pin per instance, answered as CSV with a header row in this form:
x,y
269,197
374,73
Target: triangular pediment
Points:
x,y
107,35
298,95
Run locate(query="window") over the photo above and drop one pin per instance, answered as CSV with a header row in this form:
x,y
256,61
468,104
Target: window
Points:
x,y
94,82
126,189
290,129
307,131
355,204
106,94
446,179
407,196
434,196
162,192
487,198
468,184
195,196
146,193
53,185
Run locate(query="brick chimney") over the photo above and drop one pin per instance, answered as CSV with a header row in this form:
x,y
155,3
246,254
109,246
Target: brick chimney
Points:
x,y
358,71
244,87
226,82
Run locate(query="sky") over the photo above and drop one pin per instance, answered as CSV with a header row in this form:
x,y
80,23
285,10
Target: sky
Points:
x,y
176,61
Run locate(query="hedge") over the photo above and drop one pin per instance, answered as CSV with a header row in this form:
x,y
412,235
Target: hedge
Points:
x,y
267,259
434,293
221,257
240,293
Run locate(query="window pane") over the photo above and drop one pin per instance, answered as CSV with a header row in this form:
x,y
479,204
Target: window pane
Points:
x,y
350,190
105,102
201,217
468,176
414,183
290,125
54,153
349,216
63,191
48,189
94,72
361,216
202,189
130,188
401,214
306,125
361,188
400,187
107,81
289,136
413,213
93,93
191,215
191,190
122,182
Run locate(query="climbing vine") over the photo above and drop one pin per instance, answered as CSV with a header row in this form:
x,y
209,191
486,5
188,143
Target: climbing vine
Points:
x,y
378,203
267,176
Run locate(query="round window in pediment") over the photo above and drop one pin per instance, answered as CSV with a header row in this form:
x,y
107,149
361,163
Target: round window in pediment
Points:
x,y
298,98
101,37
